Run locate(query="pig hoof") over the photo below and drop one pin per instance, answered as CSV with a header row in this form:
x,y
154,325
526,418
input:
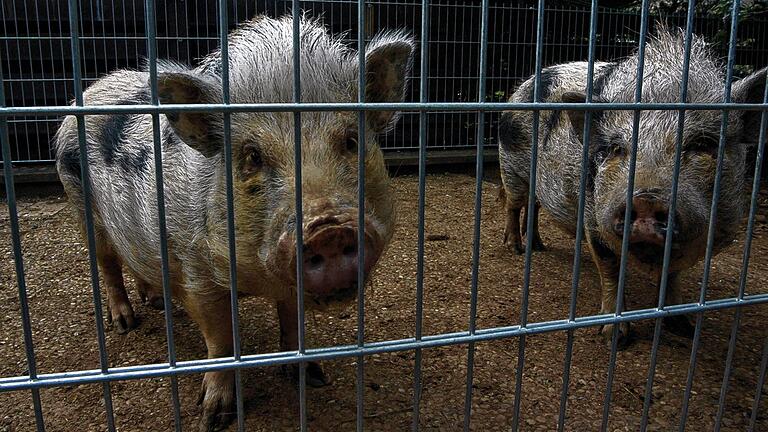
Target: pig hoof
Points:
x,y
217,400
623,338
515,247
679,325
538,245
316,377
122,318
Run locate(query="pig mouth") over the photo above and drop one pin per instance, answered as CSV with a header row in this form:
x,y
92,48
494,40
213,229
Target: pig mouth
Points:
x,y
653,253
339,297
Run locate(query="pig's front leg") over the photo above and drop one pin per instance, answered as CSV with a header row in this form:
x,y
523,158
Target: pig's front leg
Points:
x,y
289,341
212,312
608,266
678,325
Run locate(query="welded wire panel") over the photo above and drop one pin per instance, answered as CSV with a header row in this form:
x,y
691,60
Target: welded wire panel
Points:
x,y
471,57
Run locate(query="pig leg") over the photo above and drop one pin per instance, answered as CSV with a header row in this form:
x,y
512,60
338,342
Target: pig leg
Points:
x,y
514,201
120,310
538,245
678,325
512,238
149,294
289,341
211,311
608,268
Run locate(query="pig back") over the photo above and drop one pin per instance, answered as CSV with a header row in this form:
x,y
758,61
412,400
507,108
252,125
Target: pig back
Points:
x,y
122,176
559,145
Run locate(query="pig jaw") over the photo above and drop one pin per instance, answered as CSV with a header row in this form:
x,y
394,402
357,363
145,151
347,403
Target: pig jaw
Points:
x,y
330,256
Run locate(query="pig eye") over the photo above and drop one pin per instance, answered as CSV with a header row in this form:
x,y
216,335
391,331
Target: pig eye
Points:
x,y
254,160
350,143
610,150
616,150
705,145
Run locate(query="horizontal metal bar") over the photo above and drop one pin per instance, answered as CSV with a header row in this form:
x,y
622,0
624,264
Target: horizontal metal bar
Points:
x,y
354,106
320,354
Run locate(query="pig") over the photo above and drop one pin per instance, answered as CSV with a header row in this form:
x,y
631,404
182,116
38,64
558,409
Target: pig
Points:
x,y
560,154
122,176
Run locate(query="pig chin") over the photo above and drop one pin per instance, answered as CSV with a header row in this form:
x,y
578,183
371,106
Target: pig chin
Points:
x,y
329,255
649,255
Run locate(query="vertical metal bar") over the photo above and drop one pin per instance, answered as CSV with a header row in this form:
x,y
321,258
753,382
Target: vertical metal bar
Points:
x,y
423,88
38,18
296,15
529,213
753,209
478,214
627,214
671,216
359,385
236,348
25,123
90,232
760,383
579,218
18,260
149,9
711,236
745,265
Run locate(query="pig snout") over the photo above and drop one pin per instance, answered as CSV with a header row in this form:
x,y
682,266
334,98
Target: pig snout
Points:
x,y
330,262
648,223
330,256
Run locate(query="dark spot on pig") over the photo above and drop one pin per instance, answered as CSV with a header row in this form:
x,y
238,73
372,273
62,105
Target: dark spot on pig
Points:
x,y
69,159
113,133
512,135
606,73
113,130
135,162
170,138
547,83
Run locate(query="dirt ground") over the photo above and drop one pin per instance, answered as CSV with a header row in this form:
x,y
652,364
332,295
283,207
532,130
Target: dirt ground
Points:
x,y
56,265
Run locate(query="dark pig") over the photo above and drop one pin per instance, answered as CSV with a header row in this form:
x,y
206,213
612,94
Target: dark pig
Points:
x,y
121,163
559,162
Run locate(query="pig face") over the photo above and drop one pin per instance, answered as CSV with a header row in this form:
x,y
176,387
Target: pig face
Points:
x,y
264,152
610,150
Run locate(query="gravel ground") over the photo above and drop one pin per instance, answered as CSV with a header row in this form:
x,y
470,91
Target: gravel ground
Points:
x,y
60,299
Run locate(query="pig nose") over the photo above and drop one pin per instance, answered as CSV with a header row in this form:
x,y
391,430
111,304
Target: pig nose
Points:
x,y
330,262
648,223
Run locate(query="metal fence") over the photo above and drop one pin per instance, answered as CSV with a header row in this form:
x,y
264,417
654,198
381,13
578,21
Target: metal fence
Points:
x,y
38,66
85,48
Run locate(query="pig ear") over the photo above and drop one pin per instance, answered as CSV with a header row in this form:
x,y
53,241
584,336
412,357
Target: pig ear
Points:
x,y
575,116
387,65
201,131
750,90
